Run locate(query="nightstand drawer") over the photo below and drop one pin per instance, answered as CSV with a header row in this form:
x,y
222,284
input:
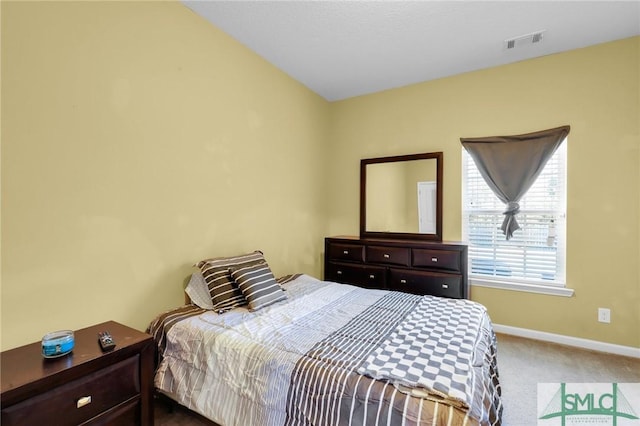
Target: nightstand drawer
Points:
x,y
438,259
349,252
388,255
80,400
424,282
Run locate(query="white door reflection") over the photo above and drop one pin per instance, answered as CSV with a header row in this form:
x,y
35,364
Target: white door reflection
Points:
x,y
427,207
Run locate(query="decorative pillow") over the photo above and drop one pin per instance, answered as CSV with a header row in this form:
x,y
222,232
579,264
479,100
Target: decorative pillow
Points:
x,y
224,293
198,291
258,285
287,279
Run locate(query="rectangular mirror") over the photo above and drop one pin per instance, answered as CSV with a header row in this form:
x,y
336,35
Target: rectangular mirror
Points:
x,y
401,197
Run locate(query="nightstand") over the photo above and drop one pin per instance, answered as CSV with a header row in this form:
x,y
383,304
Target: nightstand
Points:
x,y
86,387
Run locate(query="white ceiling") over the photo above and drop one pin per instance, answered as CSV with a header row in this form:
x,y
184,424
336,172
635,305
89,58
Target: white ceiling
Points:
x,y
341,49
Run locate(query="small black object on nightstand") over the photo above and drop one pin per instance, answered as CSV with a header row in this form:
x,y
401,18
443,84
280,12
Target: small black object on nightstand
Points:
x,y
106,341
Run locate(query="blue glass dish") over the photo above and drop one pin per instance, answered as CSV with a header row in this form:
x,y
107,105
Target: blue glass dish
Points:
x,y
57,343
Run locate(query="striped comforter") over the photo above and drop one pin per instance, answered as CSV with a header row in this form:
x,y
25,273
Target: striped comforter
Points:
x,y
329,356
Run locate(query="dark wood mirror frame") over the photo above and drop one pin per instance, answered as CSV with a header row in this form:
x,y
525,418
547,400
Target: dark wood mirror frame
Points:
x,y
363,197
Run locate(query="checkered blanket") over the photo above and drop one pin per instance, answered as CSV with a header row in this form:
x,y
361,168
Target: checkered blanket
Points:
x,y
432,350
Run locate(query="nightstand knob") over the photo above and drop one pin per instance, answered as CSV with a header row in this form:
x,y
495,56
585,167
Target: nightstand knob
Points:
x,y
372,276
85,400
445,285
386,256
403,281
345,251
339,272
434,259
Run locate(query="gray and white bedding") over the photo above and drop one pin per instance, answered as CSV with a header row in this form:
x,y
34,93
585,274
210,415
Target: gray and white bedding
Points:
x,y
333,354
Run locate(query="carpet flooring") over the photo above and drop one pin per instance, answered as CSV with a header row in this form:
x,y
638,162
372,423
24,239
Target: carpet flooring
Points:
x,y
522,364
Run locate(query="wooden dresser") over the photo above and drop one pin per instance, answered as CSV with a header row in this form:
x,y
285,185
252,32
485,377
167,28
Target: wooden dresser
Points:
x,y
86,387
412,266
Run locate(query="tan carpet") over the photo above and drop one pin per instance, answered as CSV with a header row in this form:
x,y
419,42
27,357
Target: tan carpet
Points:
x,y
522,363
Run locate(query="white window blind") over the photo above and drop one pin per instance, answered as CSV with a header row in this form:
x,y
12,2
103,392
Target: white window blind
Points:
x,y
536,253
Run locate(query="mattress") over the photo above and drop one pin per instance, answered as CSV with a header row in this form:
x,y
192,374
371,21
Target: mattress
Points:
x,y
333,354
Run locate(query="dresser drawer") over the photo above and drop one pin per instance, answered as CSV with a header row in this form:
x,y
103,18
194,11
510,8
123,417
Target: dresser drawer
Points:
x,y
425,282
348,252
360,275
438,259
80,400
388,255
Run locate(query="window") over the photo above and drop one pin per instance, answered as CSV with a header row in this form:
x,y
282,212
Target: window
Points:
x,y
534,258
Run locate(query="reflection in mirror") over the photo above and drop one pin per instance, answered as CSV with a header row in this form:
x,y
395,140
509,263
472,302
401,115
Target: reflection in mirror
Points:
x,y
400,197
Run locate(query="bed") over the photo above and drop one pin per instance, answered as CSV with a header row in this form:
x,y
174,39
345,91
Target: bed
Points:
x,y
323,353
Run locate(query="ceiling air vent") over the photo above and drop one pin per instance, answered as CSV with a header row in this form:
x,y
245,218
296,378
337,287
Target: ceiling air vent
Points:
x,y
525,40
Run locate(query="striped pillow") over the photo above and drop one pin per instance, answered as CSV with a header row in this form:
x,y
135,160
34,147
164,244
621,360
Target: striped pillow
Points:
x,y
258,285
224,293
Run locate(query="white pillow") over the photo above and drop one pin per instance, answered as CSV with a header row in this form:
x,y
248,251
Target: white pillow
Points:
x,y
199,292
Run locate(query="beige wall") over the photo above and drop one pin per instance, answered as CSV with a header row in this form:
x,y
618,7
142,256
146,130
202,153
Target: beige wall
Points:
x,y
136,140
386,201
595,91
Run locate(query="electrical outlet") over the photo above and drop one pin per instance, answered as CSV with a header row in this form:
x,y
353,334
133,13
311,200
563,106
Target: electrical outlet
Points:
x,y
604,315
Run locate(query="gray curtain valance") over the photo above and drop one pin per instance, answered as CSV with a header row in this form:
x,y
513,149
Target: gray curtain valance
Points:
x,y
511,164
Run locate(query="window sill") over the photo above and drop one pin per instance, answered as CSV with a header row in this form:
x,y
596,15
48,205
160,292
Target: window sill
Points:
x,y
529,288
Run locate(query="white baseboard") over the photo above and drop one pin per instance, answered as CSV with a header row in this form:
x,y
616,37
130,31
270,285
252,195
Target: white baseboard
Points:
x,y
593,345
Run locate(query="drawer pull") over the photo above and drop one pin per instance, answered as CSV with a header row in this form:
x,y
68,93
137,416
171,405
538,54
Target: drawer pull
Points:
x,y
386,256
445,285
339,272
372,276
403,281
434,259
85,400
345,252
